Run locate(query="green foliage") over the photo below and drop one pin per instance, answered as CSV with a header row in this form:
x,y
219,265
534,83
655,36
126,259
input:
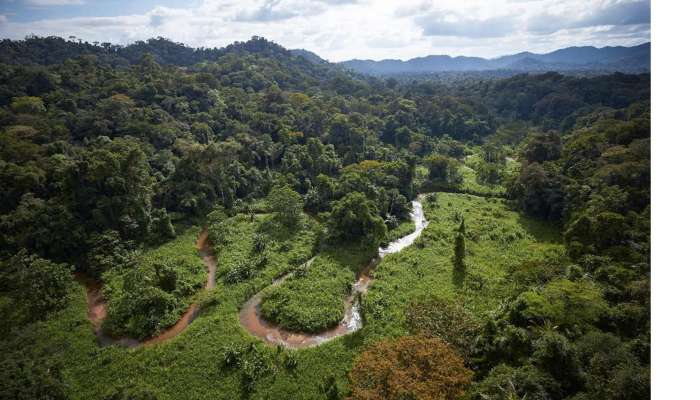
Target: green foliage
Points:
x,y
443,172
152,294
36,286
286,204
25,379
445,319
610,370
28,105
509,383
108,252
312,299
354,218
105,149
563,302
132,393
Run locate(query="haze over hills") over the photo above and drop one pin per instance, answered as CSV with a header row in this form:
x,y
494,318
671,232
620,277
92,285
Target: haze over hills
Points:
x,y
36,50
588,58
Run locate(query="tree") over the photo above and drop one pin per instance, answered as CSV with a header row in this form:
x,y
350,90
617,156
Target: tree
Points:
x,y
161,227
508,383
539,189
37,286
610,370
140,307
108,251
410,367
286,204
562,302
554,354
30,379
542,147
355,218
28,105
444,171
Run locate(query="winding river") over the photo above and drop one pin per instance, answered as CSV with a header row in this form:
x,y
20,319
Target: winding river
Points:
x,y
253,322
97,305
250,316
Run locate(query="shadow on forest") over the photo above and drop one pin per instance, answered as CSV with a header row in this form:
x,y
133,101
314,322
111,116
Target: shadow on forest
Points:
x,y
542,231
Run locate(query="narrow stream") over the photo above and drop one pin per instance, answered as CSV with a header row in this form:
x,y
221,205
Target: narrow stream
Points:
x,y
97,305
252,320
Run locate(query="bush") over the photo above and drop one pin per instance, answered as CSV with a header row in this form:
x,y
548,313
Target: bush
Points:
x,y
28,105
311,300
240,272
233,355
610,370
139,307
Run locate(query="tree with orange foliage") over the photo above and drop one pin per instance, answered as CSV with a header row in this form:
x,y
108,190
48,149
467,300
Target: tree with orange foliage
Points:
x,y
411,367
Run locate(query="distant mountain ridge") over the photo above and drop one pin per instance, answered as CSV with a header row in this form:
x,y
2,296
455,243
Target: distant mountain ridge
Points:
x,y
587,58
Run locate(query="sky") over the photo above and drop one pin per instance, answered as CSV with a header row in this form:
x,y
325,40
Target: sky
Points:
x,y
339,30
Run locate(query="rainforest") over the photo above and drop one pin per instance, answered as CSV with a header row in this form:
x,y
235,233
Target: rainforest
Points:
x,y
249,222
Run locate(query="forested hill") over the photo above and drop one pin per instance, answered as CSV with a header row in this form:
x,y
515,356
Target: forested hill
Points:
x,y
55,50
579,59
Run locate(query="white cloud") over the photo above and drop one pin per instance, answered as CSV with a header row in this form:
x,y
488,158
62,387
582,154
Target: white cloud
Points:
x,y
343,29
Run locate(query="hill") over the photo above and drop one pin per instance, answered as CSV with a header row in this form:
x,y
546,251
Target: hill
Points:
x,y
606,59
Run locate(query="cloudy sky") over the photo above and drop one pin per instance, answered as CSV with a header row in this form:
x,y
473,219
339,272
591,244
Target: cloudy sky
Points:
x,y
343,29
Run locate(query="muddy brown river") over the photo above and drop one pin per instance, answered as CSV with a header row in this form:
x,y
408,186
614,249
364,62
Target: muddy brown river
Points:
x,y
253,322
250,316
97,305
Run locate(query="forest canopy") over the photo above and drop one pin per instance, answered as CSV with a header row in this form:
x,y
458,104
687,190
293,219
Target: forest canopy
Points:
x,y
112,157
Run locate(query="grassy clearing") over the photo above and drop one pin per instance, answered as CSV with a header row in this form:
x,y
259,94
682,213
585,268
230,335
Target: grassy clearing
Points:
x,y
190,365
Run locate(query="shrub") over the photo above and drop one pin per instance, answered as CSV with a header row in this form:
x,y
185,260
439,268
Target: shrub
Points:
x,y
259,243
233,355
240,272
26,379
